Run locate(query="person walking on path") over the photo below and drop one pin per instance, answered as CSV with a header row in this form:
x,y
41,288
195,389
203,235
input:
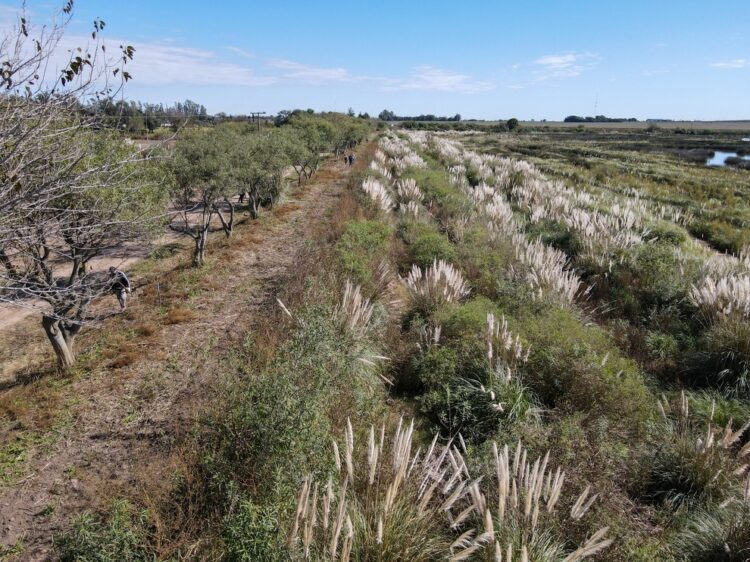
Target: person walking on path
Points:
x,y
120,286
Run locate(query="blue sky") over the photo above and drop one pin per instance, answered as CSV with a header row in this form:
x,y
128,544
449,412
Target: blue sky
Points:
x,y
685,59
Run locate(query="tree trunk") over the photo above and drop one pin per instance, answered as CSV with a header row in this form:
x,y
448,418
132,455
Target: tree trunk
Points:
x,y
61,336
199,254
228,226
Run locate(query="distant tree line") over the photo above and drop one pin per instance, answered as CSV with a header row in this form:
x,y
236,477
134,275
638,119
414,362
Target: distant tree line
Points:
x,y
387,115
598,119
137,117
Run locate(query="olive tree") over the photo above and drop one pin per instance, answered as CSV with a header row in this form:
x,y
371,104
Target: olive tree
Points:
x,y
69,192
258,162
202,182
310,137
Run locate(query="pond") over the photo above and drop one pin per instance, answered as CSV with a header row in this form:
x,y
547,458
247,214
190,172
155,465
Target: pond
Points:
x,y
720,158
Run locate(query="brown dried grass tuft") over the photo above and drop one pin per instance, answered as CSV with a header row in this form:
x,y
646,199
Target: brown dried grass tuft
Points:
x,y
286,209
179,315
146,329
124,359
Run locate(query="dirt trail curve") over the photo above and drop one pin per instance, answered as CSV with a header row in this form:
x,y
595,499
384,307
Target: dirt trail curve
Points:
x,y
119,427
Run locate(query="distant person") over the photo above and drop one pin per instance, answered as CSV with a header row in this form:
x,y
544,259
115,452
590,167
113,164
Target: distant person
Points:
x,y
351,159
120,286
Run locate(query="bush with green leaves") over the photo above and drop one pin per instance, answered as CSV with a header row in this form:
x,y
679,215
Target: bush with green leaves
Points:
x,y
721,235
577,367
667,233
361,247
253,532
556,234
122,538
651,276
277,423
429,246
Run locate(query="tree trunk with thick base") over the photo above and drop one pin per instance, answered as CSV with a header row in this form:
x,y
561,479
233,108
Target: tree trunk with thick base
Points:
x,y
199,253
61,334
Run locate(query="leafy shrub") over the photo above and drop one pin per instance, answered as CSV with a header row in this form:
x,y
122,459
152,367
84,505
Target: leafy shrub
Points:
x,y
667,233
663,350
122,539
429,247
657,277
277,423
254,533
435,368
361,246
555,234
722,236
577,367
484,260
433,181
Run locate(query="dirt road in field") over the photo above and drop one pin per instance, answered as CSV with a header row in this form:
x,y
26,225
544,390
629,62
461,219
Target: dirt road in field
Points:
x,y
119,418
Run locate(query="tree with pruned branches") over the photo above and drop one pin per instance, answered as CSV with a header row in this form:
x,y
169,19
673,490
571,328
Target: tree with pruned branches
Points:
x,y
69,192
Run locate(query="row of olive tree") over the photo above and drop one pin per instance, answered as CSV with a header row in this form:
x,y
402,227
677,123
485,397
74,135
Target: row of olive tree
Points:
x,y
211,165
71,191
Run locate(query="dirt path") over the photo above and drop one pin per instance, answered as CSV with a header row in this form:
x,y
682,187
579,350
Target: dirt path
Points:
x,y
122,423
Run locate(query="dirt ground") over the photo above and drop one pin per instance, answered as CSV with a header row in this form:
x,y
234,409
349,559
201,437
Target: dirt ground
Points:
x,y
71,442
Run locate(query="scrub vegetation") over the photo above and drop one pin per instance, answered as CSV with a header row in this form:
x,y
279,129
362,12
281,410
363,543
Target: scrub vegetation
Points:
x,y
480,345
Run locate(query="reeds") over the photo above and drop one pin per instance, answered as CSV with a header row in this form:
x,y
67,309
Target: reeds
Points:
x,y
408,191
513,515
727,296
354,312
385,500
388,502
441,282
378,194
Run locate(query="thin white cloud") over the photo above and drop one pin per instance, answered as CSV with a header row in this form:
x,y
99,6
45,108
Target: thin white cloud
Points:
x,y
656,72
156,64
557,61
736,63
245,54
168,63
563,65
430,78
308,74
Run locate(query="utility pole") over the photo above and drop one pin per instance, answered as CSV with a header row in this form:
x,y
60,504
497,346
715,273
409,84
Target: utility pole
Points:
x,y
255,116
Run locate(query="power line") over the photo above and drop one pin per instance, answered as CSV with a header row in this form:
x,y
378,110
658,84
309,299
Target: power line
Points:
x,y
255,116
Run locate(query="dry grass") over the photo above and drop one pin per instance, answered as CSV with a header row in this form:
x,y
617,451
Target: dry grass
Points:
x,y
146,329
124,358
286,209
179,315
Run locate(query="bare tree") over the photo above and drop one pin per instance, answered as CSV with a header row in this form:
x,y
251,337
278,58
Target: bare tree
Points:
x,y
68,191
